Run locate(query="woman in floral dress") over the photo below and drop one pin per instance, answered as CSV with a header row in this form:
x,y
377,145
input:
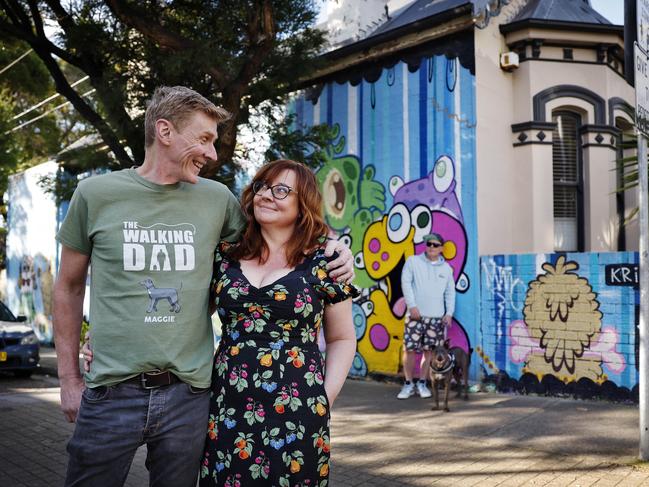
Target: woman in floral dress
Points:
x,y
269,414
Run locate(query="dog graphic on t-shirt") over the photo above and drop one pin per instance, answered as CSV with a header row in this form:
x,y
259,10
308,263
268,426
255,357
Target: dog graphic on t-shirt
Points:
x,y
158,293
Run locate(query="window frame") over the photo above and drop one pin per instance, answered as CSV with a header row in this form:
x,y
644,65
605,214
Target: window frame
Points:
x,y
579,185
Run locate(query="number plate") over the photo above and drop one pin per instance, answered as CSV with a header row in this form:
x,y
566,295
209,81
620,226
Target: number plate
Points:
x,y
3,356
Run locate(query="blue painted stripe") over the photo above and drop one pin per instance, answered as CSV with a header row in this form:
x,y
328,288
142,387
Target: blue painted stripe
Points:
x,y
337,111
330,104
361,132
423,120
413,122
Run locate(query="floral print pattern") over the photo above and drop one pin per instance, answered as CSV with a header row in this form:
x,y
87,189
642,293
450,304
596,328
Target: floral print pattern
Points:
x,y
269,413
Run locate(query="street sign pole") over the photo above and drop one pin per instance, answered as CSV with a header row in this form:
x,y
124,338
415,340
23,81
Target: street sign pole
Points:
x,y
642,125
641,59
644,297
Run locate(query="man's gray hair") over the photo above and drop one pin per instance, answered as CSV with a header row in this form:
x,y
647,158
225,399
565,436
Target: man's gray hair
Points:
x,y
177,104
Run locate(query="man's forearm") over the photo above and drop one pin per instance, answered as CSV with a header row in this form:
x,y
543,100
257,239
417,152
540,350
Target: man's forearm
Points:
x,y
67,316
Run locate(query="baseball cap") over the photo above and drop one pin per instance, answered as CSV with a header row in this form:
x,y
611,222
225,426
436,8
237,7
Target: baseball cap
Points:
x,y
435,237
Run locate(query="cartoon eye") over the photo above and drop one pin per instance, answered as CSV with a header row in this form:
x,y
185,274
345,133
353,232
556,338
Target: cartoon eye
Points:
x,y
398,223
422,221
443,174
368,307
358,261
395,183
346,239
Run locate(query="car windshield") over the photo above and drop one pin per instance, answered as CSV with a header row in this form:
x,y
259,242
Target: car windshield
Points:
x,y
5,314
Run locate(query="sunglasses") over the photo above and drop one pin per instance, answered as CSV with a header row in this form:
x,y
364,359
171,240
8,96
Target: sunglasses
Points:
x,y
434,244
279,191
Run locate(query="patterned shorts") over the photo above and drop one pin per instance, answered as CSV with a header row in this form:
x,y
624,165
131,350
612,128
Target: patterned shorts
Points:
x,y
423,334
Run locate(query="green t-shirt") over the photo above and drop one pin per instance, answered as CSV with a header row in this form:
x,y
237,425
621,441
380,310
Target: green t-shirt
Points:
x,y
151,251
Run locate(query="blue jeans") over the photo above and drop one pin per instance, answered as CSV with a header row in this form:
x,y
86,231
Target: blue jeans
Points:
x,y
114,421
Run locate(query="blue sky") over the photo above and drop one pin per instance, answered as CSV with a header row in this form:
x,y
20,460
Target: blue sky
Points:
x,y
613,10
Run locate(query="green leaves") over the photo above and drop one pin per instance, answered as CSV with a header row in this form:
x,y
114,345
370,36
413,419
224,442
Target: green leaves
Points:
x,y
628,170
236,53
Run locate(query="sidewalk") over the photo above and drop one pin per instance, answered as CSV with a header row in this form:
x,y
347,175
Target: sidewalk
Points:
x,y
377,440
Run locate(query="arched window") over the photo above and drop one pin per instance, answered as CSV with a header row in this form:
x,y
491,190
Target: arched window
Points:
x,y
567,182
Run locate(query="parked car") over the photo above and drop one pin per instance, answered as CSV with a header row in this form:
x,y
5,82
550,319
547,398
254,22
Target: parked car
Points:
x,y
19,347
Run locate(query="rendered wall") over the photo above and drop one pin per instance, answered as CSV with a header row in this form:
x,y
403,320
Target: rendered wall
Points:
x,y
515,210
561,323
403,165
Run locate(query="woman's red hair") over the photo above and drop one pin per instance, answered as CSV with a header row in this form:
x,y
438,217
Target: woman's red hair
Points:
x,y
309,227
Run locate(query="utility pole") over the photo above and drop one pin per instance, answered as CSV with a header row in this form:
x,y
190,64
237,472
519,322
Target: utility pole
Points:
x,y
642,125
644,297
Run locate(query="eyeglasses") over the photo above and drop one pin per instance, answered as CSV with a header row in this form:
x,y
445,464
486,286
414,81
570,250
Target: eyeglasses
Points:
x,y
279,191
434,244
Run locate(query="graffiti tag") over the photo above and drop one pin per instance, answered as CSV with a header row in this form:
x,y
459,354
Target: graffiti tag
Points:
x,y
500,281
623,275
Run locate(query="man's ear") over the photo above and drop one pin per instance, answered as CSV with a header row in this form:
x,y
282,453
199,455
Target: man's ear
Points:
x,y
163,130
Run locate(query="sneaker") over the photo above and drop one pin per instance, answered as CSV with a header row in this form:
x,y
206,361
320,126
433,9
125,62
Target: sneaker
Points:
x,y
423,391
408,390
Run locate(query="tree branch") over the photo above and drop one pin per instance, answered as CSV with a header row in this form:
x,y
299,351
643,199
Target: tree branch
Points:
x,y
162,35
62,16
38,21
20,31
153,30
20,17
85,110
261,34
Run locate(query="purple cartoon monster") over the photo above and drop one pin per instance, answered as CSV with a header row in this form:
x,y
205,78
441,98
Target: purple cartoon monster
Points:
x,y
437,190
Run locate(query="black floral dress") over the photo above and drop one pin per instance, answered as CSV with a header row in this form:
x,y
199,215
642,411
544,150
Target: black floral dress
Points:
x,y
269,414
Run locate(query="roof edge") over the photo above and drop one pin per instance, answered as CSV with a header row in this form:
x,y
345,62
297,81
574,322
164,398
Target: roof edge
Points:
x,y
422,24
561,25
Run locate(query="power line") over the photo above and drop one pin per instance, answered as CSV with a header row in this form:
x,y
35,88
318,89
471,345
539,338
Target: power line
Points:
x,y
28,122
56,95
14,62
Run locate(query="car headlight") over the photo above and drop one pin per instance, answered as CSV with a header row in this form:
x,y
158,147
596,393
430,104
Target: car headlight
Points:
x,y
30,339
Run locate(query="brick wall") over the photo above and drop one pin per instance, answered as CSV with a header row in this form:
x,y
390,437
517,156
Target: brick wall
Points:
x,y
560,323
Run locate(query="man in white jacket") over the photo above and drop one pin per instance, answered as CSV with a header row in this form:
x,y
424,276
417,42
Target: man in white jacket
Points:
x,y
429,290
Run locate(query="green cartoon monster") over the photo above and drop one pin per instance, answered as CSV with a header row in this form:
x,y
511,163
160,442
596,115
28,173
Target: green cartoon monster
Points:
x,y
352,200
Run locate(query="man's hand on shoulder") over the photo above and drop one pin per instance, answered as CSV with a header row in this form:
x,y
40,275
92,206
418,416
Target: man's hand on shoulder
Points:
x,y
340,269
71,389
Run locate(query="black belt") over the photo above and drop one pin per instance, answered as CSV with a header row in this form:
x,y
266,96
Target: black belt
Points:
x,y
154,379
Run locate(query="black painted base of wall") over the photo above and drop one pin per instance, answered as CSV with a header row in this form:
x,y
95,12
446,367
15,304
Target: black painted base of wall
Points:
x,y
551,386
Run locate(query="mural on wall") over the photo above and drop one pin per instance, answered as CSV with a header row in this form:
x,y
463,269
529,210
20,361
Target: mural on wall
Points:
x,y
402,166
35,286
32,219
560,331
352,199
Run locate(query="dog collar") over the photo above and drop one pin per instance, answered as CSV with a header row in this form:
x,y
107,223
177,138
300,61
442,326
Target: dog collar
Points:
x,y
449,365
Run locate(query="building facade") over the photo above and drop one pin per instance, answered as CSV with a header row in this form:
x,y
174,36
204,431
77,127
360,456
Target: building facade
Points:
x,y
512,159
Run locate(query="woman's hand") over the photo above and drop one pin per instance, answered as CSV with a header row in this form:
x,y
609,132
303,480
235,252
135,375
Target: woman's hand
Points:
x,y
86,352
340,269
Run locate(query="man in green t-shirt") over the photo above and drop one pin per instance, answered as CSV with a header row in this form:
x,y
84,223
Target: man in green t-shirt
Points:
x,y
150,233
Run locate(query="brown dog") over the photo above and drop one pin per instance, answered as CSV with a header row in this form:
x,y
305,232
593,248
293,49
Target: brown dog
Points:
x,y
446,363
